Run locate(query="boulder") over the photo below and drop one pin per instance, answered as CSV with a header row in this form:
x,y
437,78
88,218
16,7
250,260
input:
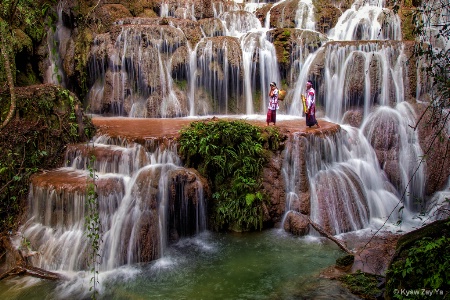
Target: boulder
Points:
x,y
296,223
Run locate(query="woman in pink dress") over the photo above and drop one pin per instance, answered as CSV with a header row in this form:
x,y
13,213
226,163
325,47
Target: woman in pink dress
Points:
x,y
310,105
273,104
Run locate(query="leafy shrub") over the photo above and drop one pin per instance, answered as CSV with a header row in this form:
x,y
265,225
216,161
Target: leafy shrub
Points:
x,y
422,268
231,155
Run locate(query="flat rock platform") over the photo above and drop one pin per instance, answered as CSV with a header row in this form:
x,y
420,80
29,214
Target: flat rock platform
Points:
x,y
148,128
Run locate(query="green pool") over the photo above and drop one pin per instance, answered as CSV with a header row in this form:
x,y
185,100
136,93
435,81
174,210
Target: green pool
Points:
x,y
263,265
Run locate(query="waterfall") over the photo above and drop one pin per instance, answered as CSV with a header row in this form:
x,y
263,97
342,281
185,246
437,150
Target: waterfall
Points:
x,y
389,132
228,67
377,70
296,106
305,15
177,66
342,180
130,88
135,188
255,46
57,39
238,23
362,22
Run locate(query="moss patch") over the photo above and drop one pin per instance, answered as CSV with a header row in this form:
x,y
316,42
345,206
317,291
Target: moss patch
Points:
x,y
363,284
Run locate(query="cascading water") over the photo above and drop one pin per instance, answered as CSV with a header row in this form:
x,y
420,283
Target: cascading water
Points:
x,y
130,88
135,189
362,22
377,69
151,67
57,40
137,78
402,154
381,81
347,189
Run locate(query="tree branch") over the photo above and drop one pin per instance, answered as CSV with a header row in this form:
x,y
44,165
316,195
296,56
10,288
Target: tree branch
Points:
x,y
329,236
3,48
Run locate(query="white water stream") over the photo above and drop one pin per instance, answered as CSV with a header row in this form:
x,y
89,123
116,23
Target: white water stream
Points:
x,y
349,190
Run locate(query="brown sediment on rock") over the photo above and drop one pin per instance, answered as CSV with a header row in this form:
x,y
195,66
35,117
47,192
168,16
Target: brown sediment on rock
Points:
x,y
60,179
136,129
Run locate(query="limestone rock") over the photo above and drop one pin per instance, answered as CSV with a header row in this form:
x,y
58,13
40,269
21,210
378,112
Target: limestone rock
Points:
x,y
109,13
297,224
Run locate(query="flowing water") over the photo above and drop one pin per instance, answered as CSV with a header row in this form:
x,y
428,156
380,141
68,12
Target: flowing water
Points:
x,y
346,179
262,265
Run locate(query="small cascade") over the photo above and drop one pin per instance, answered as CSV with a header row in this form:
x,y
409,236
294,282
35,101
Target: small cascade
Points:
x,y
108,158
305,15
362,76
219,66
255,46
398,151
367,20
295,176
146,200
57,39
302,19
239,22
296,107
337,181
122,82
258,58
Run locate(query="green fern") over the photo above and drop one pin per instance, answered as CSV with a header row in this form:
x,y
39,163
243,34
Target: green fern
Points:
x,y
231,155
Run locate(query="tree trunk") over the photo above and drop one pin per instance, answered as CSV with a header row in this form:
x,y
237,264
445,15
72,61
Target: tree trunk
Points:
x,y
31,271
329,236
9,77
18,263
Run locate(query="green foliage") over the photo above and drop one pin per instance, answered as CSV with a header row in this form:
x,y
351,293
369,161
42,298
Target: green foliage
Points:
x,y
428,29
93,227
231,155
182,84
362,284
69,98
16,167
28,15
36,140
424,267
23,25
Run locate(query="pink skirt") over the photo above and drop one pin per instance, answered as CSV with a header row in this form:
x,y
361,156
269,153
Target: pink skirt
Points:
x,y
271,116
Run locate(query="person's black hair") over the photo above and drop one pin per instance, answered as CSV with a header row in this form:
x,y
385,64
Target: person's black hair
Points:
x,y
273,83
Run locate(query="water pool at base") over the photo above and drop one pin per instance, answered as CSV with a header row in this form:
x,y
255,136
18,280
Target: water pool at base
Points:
x,y
263,265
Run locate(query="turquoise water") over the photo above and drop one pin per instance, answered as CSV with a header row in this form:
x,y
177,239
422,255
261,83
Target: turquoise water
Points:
x,y
263,265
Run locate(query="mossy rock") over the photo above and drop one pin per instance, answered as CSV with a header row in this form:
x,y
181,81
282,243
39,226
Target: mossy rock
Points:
x,y
345,261
364,285
22,42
